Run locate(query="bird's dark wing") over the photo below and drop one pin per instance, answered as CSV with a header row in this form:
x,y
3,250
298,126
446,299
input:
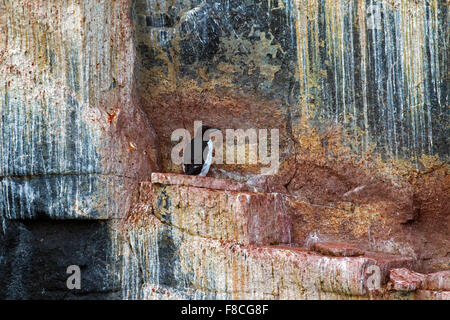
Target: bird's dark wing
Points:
x,y
189,167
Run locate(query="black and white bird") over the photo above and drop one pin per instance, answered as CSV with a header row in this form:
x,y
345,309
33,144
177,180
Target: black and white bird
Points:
x,y
204,160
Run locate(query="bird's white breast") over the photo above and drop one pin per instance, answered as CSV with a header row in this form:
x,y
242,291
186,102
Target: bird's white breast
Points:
x,y
208,160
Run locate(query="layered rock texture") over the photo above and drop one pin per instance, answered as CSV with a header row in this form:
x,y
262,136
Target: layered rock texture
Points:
x,y
91,91
179,249
75,144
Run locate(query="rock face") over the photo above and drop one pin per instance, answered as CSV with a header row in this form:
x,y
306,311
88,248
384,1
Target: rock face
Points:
x,y
431,286
357,90
438,281
375,68
406,280
236,216
337,249
75,144
179,249
91,91
35,256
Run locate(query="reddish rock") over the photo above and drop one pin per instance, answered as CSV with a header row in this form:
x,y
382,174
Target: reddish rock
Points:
x,y
337,249
405,280
199,182
387,262
229,235
432,295
438,281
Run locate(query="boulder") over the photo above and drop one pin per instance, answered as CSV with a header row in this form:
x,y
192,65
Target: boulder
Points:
x,y
406,280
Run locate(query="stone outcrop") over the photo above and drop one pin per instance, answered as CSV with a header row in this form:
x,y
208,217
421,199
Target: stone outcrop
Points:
x,y
35,255
406,280
433,286
337,249
91,91
355,88
375,69
438,281
180,249
238,216
75,143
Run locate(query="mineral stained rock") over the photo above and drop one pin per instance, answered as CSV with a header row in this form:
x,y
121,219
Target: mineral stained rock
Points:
x,y
431,285
375,68
74,144
180,249
91,91
199,182
240,217
207,268
406,280
337,249
438,281
74,141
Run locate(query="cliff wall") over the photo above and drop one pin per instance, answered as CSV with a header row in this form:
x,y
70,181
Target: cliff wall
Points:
x,y
91,91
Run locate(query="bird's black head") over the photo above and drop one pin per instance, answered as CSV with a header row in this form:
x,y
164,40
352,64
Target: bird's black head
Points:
x,y
206,128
